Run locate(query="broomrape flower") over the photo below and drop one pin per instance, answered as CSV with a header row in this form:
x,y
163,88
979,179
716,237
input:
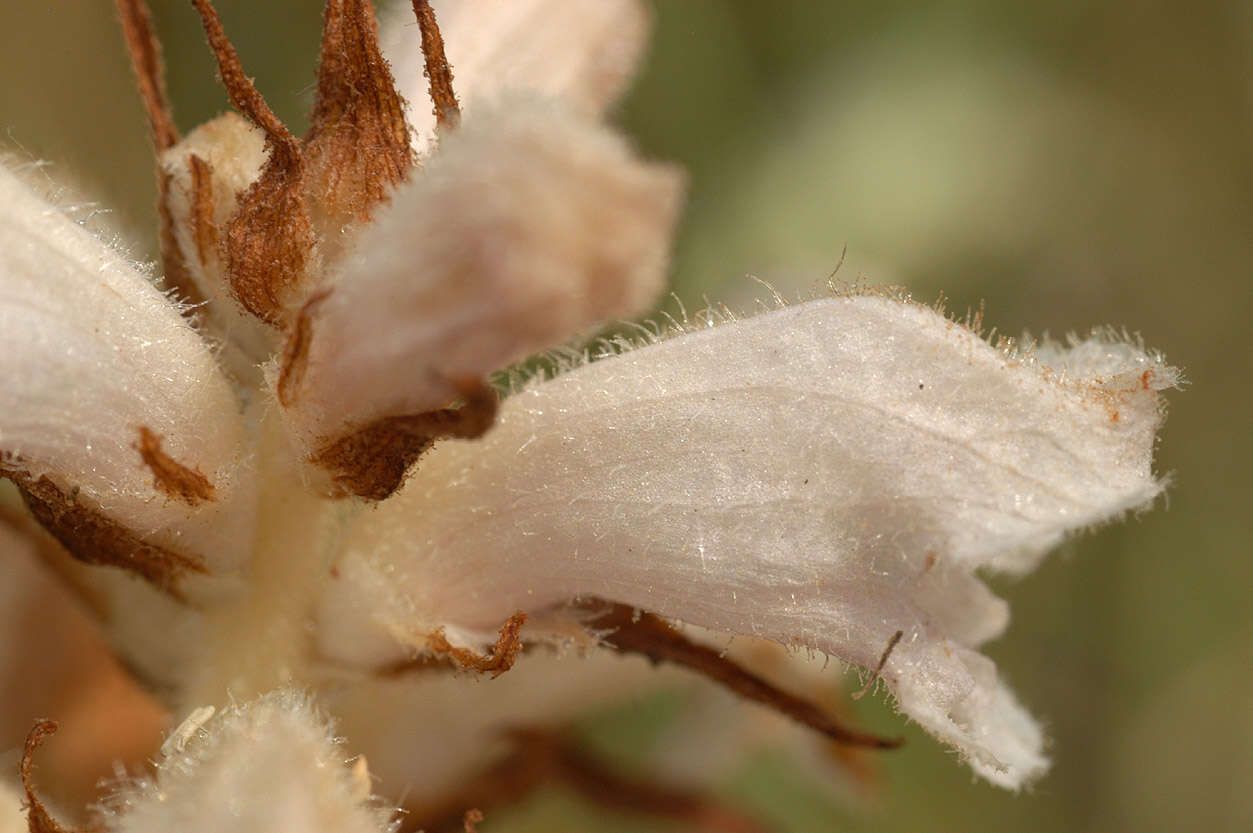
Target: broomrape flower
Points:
x,y
293,473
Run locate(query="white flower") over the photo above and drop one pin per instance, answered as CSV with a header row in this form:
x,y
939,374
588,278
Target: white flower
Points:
x,y
828,475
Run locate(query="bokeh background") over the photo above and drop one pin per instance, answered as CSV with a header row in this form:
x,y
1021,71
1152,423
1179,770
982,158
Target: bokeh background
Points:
x,y
1069,163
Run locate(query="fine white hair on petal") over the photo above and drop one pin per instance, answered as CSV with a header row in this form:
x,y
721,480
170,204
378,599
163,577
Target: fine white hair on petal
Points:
x,y
583,53
90,353
822,475
529,227
271,764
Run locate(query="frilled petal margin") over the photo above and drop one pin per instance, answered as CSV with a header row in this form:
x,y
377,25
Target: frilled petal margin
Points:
x,y
821,475
581,53
114,416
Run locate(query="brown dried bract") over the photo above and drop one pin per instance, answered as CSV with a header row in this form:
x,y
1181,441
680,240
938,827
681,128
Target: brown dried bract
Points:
x,y
38,819
541,757
358,142
269,240
296,349
438,72
169,475
95,539
643,633
145,55
174,267
371,462
497,661
203,227
472,817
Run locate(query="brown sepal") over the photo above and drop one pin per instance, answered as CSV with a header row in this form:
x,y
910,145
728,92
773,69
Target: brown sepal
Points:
x,y
541,757
93,538
358,143
270,239
38,819
633,631
204,228
174,266
170,476
145,55
371,462
438,72
296,349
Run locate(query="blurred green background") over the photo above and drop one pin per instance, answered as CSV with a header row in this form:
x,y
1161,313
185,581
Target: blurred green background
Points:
x,y
1070,163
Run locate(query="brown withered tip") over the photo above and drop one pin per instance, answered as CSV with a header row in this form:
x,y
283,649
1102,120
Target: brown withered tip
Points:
x,y
38,819
93,538
170,476
634,631
496,661
472,817
145,54
371,462
438,71
358,145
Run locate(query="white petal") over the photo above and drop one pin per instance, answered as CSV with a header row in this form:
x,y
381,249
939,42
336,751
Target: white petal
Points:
x,y
529,227
271,765
821,475
583,53
90,352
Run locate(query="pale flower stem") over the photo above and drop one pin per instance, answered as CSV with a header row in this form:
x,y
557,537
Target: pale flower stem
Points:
x,y
260,641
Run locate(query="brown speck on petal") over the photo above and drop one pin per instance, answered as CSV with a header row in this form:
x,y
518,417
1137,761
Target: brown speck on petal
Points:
x,y
358,142
438,72
170,476
270,239
93,538
637,632
371,462
38,819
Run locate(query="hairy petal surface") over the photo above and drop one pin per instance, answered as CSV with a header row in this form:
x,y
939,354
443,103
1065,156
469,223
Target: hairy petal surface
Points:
x,y
822,475
583,53
271,764
109,398
529,227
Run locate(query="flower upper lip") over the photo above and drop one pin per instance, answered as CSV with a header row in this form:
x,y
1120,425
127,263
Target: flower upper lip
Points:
x,y
780,477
